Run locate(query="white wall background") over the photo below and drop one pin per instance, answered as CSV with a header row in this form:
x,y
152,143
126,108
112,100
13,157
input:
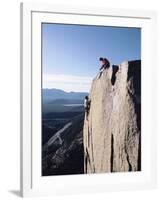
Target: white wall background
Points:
x,y
9,99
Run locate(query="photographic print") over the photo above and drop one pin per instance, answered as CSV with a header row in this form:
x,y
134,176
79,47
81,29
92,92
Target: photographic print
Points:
x,y
91,99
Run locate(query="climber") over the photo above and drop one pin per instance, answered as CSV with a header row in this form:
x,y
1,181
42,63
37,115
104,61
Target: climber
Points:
x,y
105,64
87,105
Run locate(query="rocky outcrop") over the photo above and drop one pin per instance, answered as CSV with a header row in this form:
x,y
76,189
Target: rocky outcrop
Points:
x,y
112,130
62,154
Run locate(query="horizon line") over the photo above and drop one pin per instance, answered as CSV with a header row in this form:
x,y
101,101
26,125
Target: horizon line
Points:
x,y
64,90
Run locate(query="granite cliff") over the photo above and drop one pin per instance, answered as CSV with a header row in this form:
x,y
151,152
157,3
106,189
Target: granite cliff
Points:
x,y
112,130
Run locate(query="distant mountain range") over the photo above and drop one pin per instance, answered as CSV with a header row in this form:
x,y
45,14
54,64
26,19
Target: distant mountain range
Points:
x,y
53,94
66,101
62,132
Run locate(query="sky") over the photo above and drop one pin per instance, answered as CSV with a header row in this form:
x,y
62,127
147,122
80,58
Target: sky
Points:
x,y
70,53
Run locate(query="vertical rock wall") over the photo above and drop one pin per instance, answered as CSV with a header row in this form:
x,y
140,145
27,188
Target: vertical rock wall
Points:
x,y
112,129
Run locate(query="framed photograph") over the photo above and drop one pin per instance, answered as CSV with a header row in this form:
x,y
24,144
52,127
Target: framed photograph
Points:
x,y
87,95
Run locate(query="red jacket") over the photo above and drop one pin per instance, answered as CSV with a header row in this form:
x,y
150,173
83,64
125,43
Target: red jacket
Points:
x,y
106,62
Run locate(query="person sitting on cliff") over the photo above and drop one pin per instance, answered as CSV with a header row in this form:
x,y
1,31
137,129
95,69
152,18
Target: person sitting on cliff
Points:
x,y
105,64
87,105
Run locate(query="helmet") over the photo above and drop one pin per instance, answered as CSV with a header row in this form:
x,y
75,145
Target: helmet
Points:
x,y
101,59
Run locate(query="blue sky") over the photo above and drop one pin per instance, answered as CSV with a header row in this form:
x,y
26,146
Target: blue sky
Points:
x,y
71,52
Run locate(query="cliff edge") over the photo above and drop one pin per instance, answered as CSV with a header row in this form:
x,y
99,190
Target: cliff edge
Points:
x,y
112,130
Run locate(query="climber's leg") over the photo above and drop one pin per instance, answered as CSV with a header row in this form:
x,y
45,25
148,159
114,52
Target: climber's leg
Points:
x,y
87,112
99,75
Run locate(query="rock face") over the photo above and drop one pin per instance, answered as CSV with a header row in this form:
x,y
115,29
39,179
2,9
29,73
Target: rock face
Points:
x,y
112,129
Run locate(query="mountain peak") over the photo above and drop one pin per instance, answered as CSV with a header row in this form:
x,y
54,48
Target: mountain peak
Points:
x,y
112,129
